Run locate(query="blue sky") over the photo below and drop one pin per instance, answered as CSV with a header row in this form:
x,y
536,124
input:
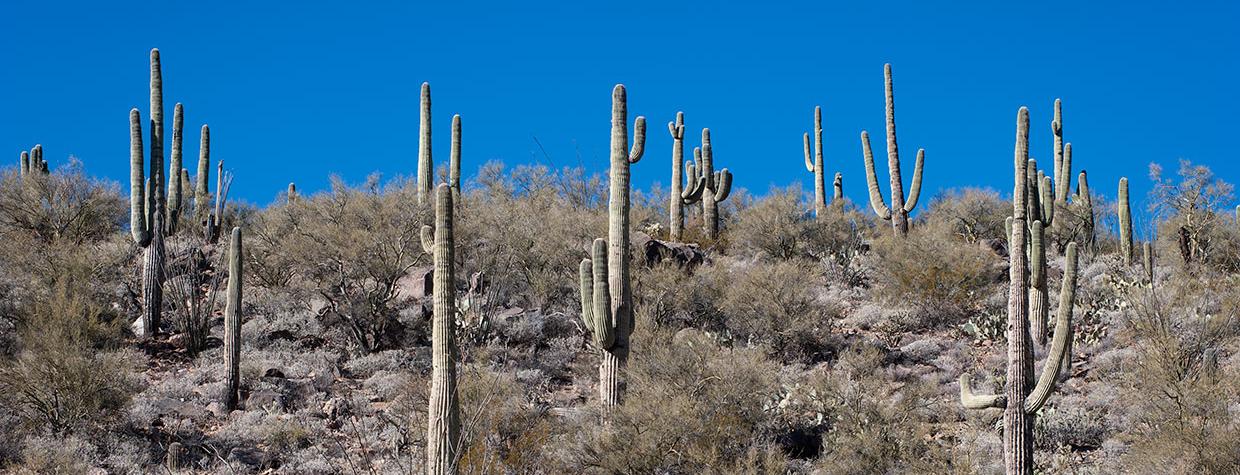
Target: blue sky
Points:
x,y
295,91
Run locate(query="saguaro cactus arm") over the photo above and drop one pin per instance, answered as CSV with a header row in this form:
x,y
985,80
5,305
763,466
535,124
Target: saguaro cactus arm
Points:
x,y
978,401
914,191
809,161
723,185
138,225
427,236
454,160
871,180
596,297
1059,343
639,140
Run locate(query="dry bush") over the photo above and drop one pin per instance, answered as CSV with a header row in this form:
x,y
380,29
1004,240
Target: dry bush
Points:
x,y
527,232
690,407
775,306
347,247
1182,390
779,227
973,214
674,298
934,273
67,377
1191,212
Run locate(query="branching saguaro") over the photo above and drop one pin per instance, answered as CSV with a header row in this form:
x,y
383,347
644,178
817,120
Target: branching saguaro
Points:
x,y
32,162
146,200
443,417
898,212
815,165
717,186
606,291
1022,399
232,323
682,194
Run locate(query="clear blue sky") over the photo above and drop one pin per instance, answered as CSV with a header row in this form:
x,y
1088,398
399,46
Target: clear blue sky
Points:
x,y
295,91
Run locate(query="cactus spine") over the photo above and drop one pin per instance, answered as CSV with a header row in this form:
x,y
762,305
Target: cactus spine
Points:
x,y
1021,401
607,308
687,193
1125,223
426,166
443,420
454,161
899,210
232,323
815,165
718,185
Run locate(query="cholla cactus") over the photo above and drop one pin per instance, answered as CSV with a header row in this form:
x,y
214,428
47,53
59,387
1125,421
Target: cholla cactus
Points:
x,y
1020,401
232,323
607,295
443,418
816,164
718,185
1125,223
685,194
426,165
899,210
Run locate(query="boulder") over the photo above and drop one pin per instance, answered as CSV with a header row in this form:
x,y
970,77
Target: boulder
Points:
x,y
654,252
417,283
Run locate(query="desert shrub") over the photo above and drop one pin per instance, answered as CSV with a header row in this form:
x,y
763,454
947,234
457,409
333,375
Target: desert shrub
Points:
x,y
934,273
775,306
349,247
67,376
973,214
1182,393
528,230
690,407
675,298
1190,212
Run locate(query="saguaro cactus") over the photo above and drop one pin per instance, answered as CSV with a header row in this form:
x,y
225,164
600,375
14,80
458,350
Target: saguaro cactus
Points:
x,y
454,161
718,185
23,163
232,322
202,190
1147,260
1087,202
612,322
1125,223
32,162
146,218
1021,401
174,169
838,184
426,165
687,193
899,210
443,418
816,164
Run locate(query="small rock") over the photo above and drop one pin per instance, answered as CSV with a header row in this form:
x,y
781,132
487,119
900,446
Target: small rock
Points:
x,y
264,399
273,373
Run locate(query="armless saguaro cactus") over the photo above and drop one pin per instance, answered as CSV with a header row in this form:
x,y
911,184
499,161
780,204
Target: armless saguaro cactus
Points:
x,y
1087,203
174,169
682,194
717,187
426,165
232,323
816,164
1125,222
1022,399
202,190
1147,259
443,418
607,308
899,210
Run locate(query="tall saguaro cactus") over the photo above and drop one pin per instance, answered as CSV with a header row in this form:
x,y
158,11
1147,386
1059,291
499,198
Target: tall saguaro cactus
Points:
x,y
146,218
174,169
718,185
900,208
607,305
815,165
443,419
426,165
1022,399
232,323
1125,223
682,194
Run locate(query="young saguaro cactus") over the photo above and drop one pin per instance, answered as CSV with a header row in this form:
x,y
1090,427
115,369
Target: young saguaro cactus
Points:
x,y
1087,203
443,418
718,185
454,161
1125,223
202,178
682,194
898,212
426,165
838,184
1021,401
815,165
232,322
609,303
